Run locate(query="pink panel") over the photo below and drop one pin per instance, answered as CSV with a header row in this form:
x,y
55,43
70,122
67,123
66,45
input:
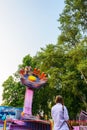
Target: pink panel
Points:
x,y
76,127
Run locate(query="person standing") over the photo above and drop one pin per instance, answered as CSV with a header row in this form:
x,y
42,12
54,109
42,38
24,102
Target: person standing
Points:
x,y
59,114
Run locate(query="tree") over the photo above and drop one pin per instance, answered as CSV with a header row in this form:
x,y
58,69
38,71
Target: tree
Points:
x,y
50,60
73,82
13,93
73,38
27,61
73,22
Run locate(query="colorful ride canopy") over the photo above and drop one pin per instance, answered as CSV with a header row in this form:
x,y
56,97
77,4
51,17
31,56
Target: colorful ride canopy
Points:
x,y
33,79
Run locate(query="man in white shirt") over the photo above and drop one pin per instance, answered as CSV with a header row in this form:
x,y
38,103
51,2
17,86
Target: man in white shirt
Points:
x,y
59,114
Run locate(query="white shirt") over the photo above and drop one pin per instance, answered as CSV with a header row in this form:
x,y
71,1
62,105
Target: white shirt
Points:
x,y
59,116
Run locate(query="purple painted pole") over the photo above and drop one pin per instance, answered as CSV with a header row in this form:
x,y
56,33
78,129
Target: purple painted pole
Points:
x,y
28,101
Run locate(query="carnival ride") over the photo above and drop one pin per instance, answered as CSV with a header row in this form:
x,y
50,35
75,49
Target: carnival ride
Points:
x,y
22,118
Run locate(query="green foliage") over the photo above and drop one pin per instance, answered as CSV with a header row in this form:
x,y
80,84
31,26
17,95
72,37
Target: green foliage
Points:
x,y
13,93
27,61
73,37
73,22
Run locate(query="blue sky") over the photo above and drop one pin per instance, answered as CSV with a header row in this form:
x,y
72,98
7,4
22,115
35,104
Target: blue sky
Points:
x,y
25,27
